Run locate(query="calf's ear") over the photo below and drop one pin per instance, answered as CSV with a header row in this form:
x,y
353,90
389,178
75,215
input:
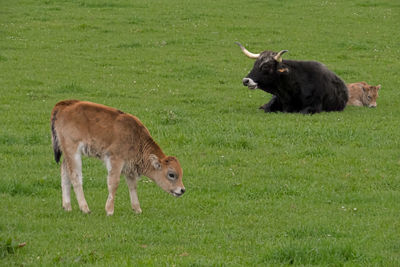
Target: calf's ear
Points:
x,y
378,87
155,162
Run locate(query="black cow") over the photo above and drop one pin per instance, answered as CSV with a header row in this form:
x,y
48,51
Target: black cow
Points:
x,y
297,86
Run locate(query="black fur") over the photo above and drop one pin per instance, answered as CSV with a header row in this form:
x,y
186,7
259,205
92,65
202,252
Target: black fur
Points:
x,y
56,145
298,86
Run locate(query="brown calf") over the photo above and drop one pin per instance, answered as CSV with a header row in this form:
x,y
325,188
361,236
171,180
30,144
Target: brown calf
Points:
x,y
363,94
120,140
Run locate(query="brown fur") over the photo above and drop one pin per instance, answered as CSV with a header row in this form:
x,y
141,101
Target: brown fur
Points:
x,y
363,94
117,138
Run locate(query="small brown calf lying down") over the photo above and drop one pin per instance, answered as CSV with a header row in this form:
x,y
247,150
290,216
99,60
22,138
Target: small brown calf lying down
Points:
x,y
363,94
120,140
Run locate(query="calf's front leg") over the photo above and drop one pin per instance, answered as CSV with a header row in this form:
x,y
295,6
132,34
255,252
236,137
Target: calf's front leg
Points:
x,y
114,168
131,180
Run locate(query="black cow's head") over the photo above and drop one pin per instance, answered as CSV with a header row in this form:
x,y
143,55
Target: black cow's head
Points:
x,y
266,69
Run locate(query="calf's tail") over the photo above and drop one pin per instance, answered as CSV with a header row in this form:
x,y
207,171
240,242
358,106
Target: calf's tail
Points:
x,y
56,145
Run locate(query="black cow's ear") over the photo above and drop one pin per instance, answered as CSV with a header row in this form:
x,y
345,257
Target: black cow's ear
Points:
x,y
283,70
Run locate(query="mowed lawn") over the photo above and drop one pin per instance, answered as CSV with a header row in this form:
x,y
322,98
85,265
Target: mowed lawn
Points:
x,y
261,189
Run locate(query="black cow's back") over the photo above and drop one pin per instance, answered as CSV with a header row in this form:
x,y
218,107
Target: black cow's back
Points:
x,y
317,87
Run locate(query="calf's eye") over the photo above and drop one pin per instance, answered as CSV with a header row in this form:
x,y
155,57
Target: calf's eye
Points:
x,y
171,176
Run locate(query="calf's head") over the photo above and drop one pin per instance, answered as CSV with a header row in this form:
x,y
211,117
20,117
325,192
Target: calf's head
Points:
x,y
266,69
167,174
370,95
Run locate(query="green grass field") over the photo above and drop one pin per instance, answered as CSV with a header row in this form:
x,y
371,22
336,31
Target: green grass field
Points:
x,y
262,189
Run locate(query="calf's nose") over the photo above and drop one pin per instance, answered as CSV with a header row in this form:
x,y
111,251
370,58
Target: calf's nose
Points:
x,y
183,190
246,81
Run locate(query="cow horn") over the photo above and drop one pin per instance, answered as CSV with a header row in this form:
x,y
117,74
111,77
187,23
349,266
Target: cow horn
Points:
x,y
246,52
278,57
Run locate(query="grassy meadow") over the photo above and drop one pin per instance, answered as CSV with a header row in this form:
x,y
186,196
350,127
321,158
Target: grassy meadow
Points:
x,y
261,189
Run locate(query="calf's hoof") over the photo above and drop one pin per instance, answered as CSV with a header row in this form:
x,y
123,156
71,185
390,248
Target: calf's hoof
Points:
x,y
110,213
138,211
85,209
67,206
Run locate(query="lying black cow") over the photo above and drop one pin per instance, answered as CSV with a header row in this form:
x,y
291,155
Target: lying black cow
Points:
x,y
296,86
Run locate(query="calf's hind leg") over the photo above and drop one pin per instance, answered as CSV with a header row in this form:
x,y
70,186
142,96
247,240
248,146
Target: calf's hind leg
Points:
x,y
65,187
72,166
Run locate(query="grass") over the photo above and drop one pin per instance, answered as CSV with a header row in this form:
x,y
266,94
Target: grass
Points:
x,y
262,189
